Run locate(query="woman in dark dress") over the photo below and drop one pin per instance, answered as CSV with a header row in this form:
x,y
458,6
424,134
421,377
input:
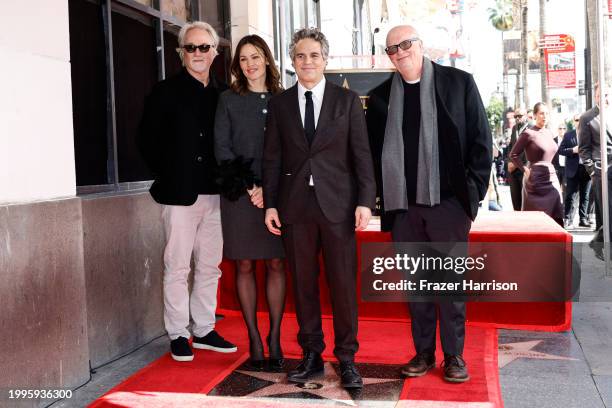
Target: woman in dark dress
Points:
x,y
541,188
239,131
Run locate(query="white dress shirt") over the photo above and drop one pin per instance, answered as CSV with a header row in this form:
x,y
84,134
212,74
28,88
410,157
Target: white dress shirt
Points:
x,y
317,99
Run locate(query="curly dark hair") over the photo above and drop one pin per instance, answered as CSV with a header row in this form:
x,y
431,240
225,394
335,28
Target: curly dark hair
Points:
x,y
240,84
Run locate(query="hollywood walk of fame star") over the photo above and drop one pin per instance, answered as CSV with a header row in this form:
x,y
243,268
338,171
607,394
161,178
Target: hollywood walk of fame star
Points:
x,y
326,387
509,352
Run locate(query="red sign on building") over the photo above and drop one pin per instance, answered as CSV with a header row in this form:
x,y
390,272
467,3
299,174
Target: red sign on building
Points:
x,y
560,59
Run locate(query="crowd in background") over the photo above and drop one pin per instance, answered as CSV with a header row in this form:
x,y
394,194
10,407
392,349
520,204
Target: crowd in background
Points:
x,y
573,179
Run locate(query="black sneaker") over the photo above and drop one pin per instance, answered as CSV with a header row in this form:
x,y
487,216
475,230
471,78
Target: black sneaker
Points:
x,y
213,341
180,350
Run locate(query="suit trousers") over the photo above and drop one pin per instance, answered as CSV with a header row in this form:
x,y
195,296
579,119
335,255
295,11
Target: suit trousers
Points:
x,y
516,189
598,203
303,242
192,229
579,185
446,222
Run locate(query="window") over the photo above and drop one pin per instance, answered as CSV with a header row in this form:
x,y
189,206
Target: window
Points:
x,y
289,16
119,49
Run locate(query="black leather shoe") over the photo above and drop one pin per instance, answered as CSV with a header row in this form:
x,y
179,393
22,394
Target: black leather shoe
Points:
x,y
255,365
419,365
585,223
455,370
349,376
309,368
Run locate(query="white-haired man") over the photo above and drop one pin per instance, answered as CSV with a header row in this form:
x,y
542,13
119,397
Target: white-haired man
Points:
x,y
176,140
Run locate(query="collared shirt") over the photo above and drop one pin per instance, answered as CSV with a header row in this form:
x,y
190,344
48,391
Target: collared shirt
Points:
x,y
317,99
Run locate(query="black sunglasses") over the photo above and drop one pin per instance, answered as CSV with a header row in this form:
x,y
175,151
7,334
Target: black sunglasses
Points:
x,y
190,48
404,45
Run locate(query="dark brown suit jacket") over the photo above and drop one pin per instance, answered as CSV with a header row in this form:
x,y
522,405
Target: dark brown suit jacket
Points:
x,y
339,158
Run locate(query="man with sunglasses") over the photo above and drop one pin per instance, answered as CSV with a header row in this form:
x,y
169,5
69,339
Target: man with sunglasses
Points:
x,y
432,149
176,140
577,178
515,175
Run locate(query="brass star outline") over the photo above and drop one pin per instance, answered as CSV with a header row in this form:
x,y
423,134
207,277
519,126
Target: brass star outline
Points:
x,y
330,385
508,352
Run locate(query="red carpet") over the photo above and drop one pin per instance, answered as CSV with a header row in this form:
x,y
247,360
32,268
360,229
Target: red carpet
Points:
x,y
166,383
497,227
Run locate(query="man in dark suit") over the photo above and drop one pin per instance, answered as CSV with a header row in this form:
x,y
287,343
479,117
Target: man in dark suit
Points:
x,y
433,153
577,179
318,185
176,141
589,149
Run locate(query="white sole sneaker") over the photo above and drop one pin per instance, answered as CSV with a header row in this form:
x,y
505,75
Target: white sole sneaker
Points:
x,y
202,346
181,358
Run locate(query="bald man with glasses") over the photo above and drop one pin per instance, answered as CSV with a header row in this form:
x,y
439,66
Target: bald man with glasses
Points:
x,y
432,151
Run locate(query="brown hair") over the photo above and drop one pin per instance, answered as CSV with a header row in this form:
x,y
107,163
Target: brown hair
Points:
x,y
240,85
538,106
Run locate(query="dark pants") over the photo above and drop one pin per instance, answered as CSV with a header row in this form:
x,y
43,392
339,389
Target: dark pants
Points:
x,y
516,189
598,204
579,184
446,222
303,242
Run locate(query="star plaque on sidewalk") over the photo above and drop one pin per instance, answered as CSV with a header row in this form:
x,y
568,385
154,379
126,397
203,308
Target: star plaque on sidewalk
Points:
x,y
381,383
509,352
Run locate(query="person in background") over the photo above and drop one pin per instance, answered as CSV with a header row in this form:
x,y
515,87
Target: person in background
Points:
x,y
515,174
239,134
559,160
541,189
577,179
176,140
589,150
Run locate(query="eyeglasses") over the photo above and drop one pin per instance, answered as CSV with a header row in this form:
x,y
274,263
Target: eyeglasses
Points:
x,y
518,116
562,128
404,45
191,48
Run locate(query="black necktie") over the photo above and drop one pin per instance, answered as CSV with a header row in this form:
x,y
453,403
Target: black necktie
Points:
x,y
309,122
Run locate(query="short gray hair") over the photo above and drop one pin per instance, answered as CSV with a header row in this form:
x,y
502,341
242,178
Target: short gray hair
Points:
x,y
200,25
314,34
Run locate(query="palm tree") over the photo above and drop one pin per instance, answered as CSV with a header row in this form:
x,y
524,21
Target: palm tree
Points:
x,y
501,18
501,15
520,7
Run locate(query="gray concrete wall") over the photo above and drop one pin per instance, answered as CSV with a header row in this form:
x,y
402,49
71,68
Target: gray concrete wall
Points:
x,y
43,322
123,252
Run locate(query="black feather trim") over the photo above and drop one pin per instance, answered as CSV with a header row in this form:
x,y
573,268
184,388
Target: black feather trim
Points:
x,y
235,177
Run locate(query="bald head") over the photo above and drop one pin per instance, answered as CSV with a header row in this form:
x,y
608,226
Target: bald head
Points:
x,y
405,50
402,31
